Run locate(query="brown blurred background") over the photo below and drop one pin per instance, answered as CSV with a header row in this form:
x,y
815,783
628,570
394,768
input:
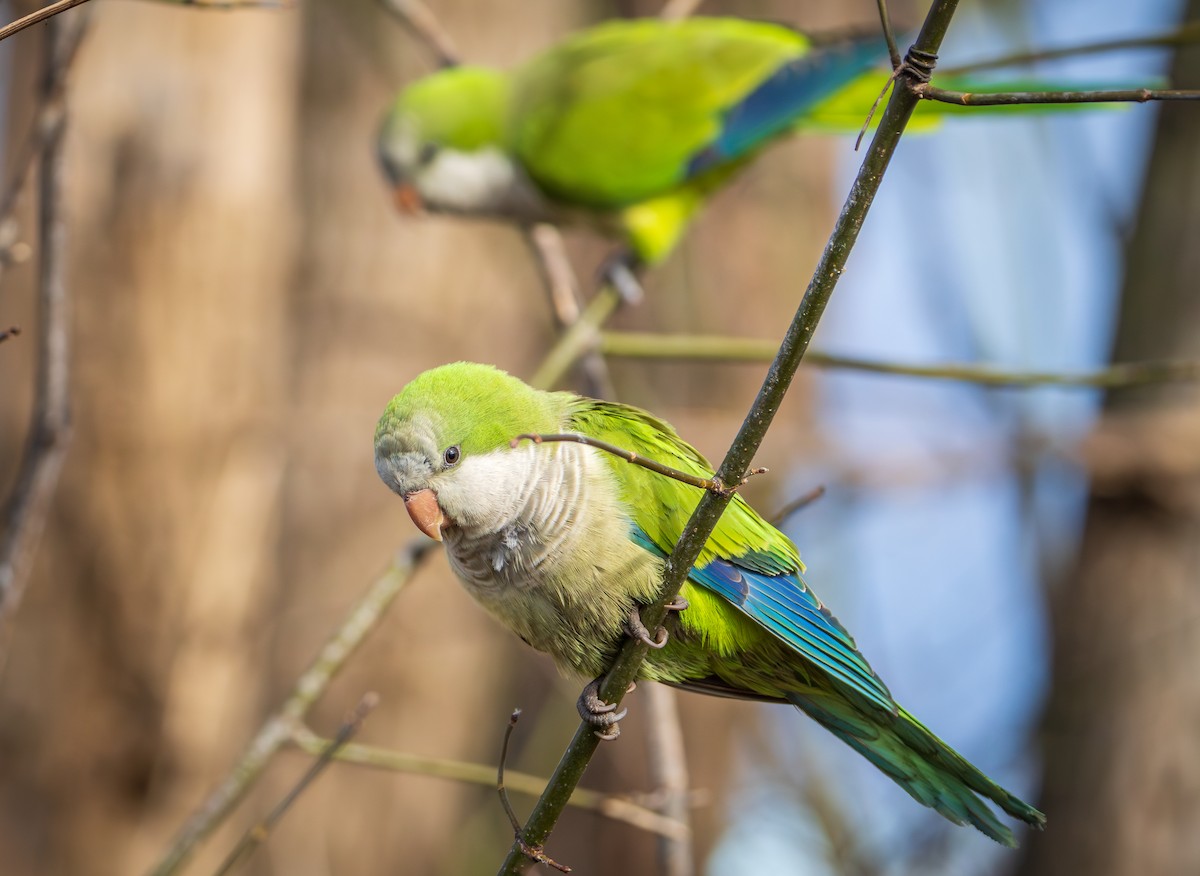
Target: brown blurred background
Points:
x,y
246,301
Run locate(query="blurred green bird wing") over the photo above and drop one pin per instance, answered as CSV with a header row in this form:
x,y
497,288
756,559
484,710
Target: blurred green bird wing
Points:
x,y
748,562
616,114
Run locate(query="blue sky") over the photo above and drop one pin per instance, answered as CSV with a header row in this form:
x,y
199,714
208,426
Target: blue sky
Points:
x,y
933,558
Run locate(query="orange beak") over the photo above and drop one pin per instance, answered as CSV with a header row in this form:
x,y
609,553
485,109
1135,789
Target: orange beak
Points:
x,y
426,513
408,200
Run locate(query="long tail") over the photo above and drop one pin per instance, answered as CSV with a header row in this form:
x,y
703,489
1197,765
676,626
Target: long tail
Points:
x,y
923,765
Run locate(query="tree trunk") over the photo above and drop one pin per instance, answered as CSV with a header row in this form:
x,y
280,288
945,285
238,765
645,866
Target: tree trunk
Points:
x,y
1122,754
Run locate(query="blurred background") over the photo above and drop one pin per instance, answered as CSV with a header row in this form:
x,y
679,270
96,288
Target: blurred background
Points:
x,y
1021,566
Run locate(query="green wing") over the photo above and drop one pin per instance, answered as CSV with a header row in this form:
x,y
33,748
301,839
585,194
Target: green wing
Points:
x,y
615,114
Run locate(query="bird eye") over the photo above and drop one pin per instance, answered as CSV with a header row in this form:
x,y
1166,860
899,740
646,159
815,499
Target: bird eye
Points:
x,y
451,455
428,152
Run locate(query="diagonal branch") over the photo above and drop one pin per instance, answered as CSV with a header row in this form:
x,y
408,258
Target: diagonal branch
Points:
x,y
27,507
695,534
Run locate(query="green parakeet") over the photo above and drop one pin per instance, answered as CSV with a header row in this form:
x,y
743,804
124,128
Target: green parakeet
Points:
x,y
562,543
628,126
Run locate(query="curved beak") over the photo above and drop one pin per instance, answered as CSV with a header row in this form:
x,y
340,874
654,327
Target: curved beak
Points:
x,y
426,513
408,200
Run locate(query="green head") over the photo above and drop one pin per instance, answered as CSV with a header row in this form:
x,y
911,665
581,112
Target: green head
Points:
x,y
442,145
444,443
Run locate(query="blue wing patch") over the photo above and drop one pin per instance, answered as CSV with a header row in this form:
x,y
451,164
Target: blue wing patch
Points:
x,y
784,96
784,606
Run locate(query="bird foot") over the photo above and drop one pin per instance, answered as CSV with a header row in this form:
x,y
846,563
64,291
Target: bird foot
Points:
x,y
601,715
637,629
619,270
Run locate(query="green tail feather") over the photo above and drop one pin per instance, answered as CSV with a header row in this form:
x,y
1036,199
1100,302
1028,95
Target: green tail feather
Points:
x,y
927,768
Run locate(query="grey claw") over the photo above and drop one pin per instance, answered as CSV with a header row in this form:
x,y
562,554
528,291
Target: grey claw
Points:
x,y
679,603
598,713
637,630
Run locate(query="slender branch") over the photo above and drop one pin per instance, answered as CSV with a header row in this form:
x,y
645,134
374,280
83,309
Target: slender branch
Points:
x,y
578,339
798,504
534,853
423,24
615,807
280,726
651,345
885,22
28,506
714,485
741,452
257,835
37,16
1013,98
1183,35
669,773
11,332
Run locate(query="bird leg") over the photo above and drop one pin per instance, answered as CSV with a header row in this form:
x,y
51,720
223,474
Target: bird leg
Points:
x,y
620,271
601,715
637,629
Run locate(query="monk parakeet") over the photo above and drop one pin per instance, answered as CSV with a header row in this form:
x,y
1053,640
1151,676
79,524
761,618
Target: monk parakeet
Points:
x,y
562,543
628,126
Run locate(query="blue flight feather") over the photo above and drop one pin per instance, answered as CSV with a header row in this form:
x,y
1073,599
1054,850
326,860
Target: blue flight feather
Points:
x,y
784,606
782,97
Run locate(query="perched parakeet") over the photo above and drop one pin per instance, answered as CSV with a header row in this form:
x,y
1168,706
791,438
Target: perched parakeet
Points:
x,y
562,543
628,126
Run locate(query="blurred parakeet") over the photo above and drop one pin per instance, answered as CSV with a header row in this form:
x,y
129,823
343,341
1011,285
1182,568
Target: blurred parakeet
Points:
x,y
628,126
562,543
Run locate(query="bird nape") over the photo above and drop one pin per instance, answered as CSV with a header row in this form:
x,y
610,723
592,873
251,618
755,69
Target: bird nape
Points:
x,y
563,543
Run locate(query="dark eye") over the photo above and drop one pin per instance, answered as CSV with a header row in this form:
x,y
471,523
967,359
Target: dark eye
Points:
x,y
428,152
451,455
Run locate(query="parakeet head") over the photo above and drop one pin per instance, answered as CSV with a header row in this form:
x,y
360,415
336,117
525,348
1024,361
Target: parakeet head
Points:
x,y
442,146
444,444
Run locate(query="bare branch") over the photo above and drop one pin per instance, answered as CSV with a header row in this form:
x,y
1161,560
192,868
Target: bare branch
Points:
x,y
885,22
669,773
712,485
1014,98
650,345
37,16
258,834
695,534
577,340
1183,35
46,448
280,726
798,504
422,24
622,808
11,332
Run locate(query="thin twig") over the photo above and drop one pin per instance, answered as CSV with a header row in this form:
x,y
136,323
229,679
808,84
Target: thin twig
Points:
x,y
617,807
258,834
1015,98
1185,34
578,339
11,332
536,854
50,435
712,485
279,727
38,15
885,22
703,520
651,345
669,774
550,255
422,24
799,503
